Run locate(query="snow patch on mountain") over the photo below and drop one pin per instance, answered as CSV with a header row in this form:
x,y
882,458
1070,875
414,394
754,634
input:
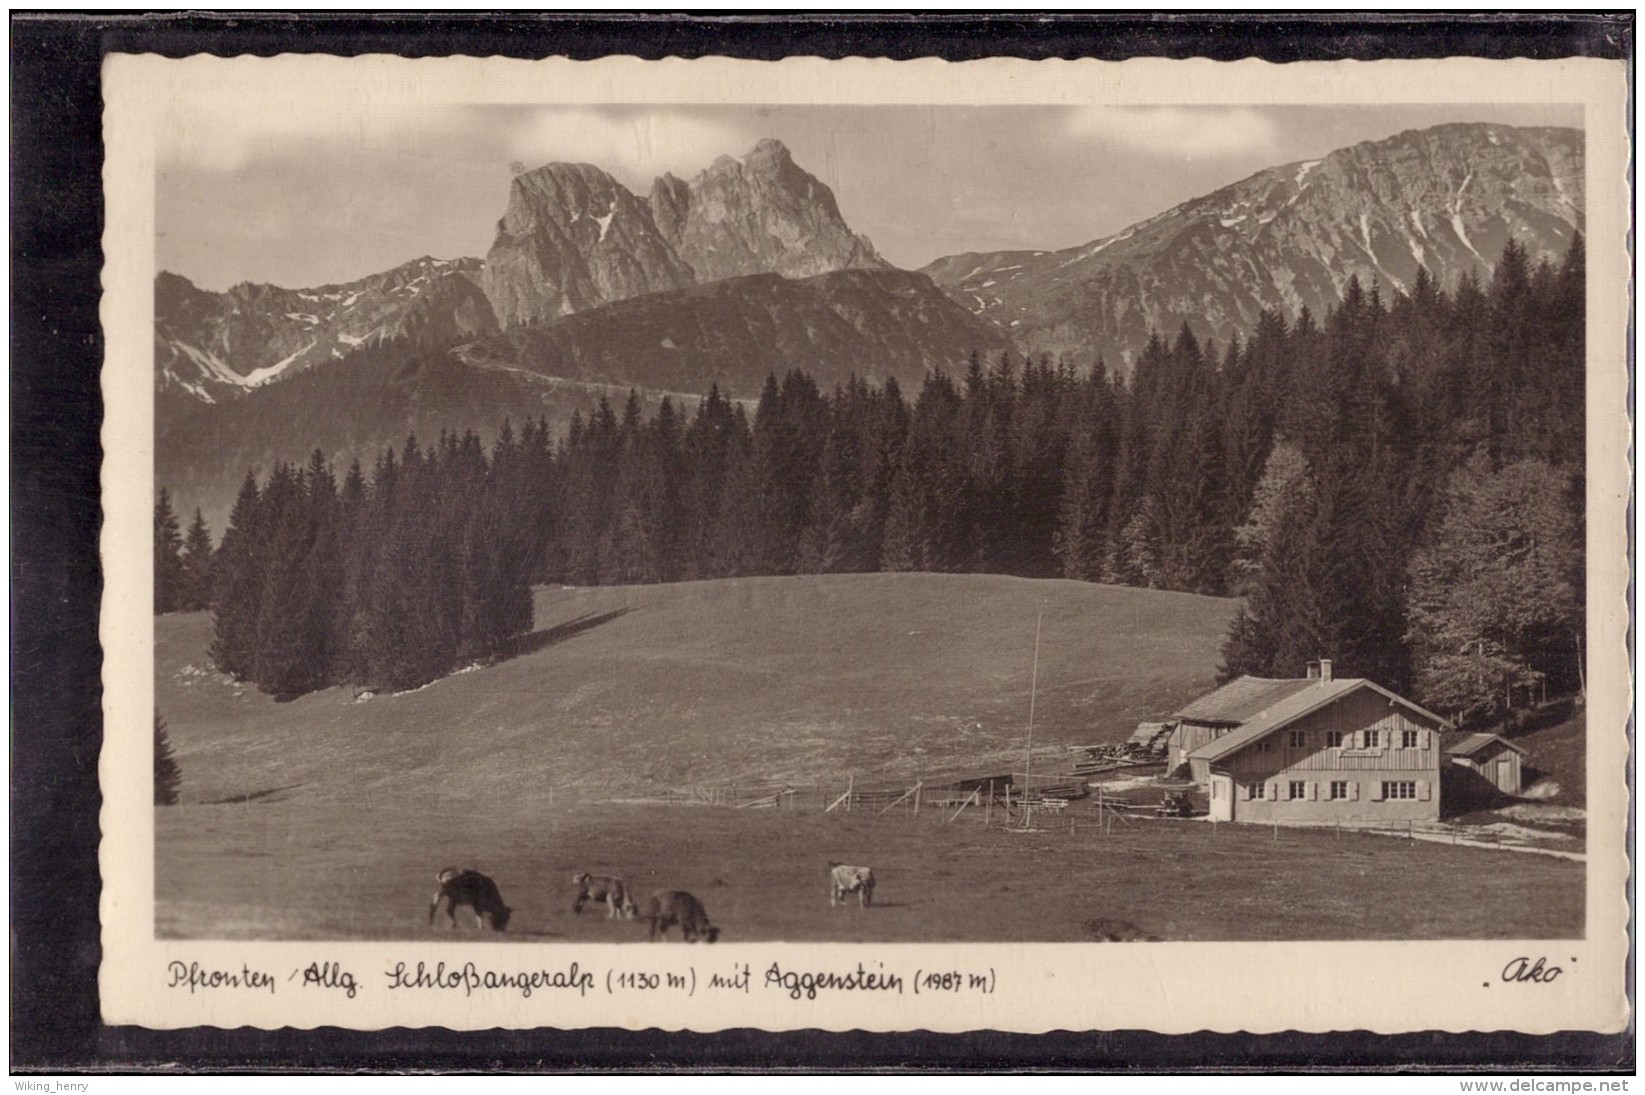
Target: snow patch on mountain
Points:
x,y
209,363
1097,248
1290,237
259,377
1456,218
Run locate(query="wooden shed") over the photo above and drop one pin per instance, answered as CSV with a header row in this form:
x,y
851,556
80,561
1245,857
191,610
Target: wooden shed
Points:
x,y
1492,757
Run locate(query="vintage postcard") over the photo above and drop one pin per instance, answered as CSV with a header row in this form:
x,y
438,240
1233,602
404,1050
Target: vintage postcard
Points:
x,y
865,545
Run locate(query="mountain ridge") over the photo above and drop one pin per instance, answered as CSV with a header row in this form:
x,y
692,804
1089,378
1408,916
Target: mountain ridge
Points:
x,y
571,238
212,346
733,332
1291,236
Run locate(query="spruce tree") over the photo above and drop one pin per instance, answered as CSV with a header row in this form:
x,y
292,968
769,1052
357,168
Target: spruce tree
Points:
x,y
197,552
282,662
237,584
170,592
168,777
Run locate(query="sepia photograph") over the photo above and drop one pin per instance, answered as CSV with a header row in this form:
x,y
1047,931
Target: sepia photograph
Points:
x,y
739,520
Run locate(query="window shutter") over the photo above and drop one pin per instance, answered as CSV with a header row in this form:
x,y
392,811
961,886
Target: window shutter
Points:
x,y
1422,790
1422,739
1376,791
1313,792
1353,792
1279,788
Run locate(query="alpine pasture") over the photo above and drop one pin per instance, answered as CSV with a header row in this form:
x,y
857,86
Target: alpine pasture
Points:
x,y
327,817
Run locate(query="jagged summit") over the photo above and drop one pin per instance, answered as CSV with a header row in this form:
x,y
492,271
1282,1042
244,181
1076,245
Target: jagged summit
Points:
x,y
757,214
573,237
767,148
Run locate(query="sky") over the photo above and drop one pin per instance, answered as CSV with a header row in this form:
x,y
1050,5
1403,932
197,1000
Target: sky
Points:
x,y
330,196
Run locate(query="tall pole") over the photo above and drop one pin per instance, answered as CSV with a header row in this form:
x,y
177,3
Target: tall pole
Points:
x,y
1033,686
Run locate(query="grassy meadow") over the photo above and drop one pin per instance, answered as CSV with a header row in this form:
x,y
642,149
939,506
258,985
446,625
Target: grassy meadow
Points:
x,y
631,689
327,817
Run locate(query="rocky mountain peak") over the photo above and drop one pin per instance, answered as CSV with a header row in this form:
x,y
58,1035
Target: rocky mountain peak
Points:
x,y
670,202
768,150
573,237
763,213
1445,199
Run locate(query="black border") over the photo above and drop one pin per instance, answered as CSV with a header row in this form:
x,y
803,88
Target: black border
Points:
x,y
56,351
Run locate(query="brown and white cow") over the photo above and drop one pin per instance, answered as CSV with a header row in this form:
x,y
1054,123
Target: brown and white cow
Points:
x,y
603,889
845,879
669,907
475,890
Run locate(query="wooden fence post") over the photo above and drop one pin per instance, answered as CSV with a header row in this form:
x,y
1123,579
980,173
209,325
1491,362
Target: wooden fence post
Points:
x,y
894,803
845,798
917,787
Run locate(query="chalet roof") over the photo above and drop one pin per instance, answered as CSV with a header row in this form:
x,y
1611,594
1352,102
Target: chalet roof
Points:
x,y
1317,694
1242,699
1469,744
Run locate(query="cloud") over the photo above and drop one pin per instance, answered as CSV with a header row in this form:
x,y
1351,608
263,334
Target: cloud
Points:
x,y
1200,131
226,134
634,145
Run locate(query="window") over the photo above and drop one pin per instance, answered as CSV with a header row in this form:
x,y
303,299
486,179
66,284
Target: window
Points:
x,y
1399,789
1262,747
1299,738
1407,739
1372,738
1339,789
1257,790
1333,739
1299,789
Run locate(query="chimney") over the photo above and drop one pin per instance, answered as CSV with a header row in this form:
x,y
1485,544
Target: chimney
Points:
x,y
1325,669
1313,671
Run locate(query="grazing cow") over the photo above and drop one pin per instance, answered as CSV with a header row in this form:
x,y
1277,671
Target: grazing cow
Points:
x,y
844,879
475,890
602,889
669,907
1104,930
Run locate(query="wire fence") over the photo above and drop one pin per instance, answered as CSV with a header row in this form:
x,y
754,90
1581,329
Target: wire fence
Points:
x,y
1000,802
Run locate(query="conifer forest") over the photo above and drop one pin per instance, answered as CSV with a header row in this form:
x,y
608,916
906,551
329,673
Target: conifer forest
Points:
x,y
1398,482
